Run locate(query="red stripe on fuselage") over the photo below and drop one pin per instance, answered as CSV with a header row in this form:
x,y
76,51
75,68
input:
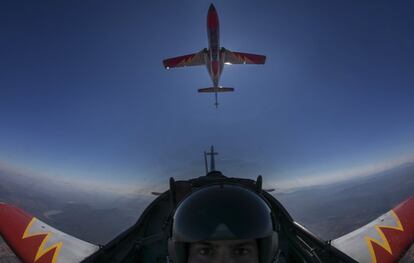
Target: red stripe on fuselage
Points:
x,y
212,19
214,45
215,68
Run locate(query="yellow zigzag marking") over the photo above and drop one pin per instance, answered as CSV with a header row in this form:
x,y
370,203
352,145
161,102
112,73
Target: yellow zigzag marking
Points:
x,y
384,242
43,250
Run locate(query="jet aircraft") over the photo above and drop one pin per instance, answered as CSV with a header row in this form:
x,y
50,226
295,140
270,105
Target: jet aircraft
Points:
x,y
214,57
384,240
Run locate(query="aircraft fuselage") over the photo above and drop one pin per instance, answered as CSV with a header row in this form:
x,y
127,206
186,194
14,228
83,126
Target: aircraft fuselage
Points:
x,y
214,57
214,62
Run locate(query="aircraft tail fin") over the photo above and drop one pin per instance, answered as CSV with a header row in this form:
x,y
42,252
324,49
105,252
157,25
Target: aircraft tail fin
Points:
x,y
215,89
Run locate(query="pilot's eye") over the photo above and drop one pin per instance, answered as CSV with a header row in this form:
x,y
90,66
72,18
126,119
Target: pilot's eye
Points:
x,y
205,251
241,251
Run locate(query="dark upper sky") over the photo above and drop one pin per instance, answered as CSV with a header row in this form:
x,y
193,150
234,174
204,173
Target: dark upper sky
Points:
x,y
83,93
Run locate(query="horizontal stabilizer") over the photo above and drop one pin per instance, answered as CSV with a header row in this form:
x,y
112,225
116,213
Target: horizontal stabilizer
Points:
x,y
216,89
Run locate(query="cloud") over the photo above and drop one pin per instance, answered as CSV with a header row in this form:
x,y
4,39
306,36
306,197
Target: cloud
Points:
x,y
341,175
51,182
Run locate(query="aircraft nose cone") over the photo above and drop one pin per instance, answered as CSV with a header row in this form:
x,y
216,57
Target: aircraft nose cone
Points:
x,y
212,18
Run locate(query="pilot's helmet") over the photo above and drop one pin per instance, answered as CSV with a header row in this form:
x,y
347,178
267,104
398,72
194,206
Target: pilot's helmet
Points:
x,y
223,212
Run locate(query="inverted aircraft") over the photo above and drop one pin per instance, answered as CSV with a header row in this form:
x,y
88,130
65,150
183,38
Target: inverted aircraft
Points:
x,y
384,240
214,57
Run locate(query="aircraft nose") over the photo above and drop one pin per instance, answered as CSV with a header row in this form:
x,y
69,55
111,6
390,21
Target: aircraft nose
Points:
x,y
212,18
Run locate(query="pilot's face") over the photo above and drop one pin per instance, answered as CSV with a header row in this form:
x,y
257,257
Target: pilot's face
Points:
x,y
229,251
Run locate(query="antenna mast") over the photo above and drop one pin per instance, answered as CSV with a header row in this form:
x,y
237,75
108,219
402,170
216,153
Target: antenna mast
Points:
x,y
212,160
205,162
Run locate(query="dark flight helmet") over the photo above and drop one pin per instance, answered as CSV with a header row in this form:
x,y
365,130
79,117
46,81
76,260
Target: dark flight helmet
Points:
x,y
223,212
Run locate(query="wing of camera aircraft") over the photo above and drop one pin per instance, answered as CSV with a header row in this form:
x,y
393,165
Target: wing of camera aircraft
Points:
x,y
34,241
384,240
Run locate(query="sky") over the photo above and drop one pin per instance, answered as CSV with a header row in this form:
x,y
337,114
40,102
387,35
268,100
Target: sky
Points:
x,y
84,95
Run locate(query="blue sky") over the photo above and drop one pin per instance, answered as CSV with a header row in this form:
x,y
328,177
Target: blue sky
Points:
x,y
83,94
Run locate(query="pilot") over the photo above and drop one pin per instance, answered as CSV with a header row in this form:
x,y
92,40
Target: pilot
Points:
x,y
223,223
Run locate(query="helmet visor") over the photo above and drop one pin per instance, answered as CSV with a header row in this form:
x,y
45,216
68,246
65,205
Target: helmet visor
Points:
x,y
224,212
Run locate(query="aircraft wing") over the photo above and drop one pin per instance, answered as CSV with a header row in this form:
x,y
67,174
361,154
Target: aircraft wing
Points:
x,y
195,59
34,241
231,57
384,240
